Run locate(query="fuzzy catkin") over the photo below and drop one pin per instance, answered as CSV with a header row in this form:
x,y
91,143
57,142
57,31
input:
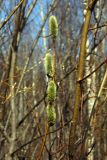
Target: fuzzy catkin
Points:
x,y
53,26
51,91
48,64
51,115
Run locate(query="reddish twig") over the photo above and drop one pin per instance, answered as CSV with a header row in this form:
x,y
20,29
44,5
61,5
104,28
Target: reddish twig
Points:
x,y
105,61
43,142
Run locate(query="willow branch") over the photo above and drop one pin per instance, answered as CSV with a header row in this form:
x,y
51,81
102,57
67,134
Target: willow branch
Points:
x,y
80,74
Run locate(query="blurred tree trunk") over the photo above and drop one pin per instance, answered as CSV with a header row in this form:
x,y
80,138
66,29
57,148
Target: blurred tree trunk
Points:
x,y
91,89
44,30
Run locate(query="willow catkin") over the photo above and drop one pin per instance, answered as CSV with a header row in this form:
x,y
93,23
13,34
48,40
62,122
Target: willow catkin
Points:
x,y
51,115
53,26
51,91
48,64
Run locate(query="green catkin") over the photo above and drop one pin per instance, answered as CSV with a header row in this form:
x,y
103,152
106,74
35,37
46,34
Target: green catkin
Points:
x,y
48,64
51,91
51,115
53,26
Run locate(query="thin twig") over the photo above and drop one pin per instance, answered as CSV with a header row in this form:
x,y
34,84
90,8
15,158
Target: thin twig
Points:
x,y
4,133
43,143
105,61
35,139
11,14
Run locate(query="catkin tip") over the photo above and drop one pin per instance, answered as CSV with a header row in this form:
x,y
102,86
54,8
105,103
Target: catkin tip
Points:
x,y
53,26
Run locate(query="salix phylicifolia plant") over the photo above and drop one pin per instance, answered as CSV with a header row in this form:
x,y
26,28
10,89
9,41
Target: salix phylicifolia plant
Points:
x,y
49,66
